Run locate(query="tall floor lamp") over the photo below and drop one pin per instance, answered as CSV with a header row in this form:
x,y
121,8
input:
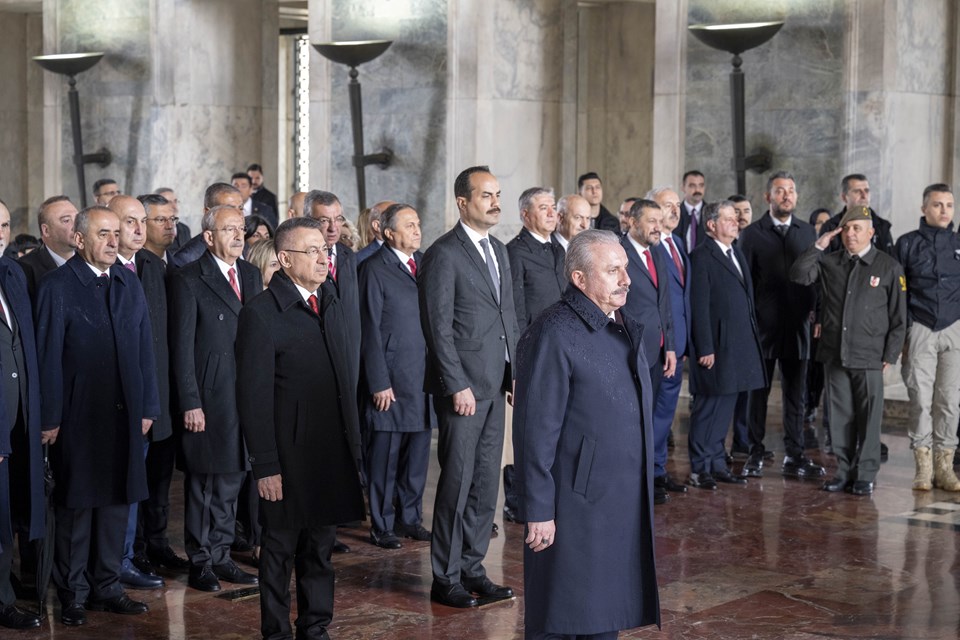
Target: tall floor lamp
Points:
x,y
70,64
735,39
353,54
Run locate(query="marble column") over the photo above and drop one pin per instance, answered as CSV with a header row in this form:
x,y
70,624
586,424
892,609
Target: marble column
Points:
x,y
669,93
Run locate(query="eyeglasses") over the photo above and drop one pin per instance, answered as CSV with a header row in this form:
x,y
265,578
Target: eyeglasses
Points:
x,y
163,220
233,230
104,194
328,221
312,252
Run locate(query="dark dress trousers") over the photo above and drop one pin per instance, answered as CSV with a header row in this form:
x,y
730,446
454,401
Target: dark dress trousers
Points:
x,y
299,416
784,313
204,311
723,324
35,265
21,473
393,355
98,382
471,332
538,279
593,477
152,526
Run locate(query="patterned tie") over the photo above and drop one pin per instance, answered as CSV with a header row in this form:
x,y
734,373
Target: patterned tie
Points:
x,y
492,268
130,266
331,267
648,256
412,265
312,301
676,260
233,282
782,230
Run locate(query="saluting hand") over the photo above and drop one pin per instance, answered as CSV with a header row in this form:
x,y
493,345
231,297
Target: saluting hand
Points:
x,y
824,241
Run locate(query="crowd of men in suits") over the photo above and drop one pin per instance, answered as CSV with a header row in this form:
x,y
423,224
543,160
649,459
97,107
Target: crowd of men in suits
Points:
x,y
285,394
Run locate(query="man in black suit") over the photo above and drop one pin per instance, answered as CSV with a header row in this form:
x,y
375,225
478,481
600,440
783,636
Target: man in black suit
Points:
x,y
105,190
692,228
252,207
183,233
470,325
56,216
99,389
855,192
22,499
260,191
376,241
649,304
573,216
590,187
784,313
133,221
726,345
299,416
219,194
535,259
153,545
395,408
206,297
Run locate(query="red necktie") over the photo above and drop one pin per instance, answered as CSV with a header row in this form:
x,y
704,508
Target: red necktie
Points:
x,y
676,259
233,282
413,267
312,301
132,267
648,255
331,267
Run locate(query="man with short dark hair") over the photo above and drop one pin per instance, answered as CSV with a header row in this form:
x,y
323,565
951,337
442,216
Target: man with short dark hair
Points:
x,y
744,210
162,224
260,191
99,389
298,411
692,228
590,187
863,314
104,190
206,297
931,354
624,215
251,206
183,234
469,322
55,218
855,192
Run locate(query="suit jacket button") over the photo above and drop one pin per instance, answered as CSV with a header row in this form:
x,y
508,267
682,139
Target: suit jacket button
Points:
x,y
252,459
220,317
13,375
501,337
119,406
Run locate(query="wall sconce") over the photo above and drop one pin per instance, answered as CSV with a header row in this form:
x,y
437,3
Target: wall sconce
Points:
x,y
70,64
354,54
735,39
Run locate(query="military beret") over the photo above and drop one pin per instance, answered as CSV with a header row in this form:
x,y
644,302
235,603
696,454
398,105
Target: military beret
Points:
x,y
856,213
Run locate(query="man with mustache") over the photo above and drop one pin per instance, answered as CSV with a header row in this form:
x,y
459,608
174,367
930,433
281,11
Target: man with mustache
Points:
x,y
649,304
692,228
784,314
468,319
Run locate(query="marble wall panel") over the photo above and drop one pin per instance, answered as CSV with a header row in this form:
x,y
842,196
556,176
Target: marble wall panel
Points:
x,y
923,55
13,117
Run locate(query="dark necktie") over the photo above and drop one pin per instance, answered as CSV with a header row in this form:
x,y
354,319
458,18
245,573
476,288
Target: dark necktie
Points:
x,y
736,266
412,264
312,301
676,259
782,230
492,268
694,223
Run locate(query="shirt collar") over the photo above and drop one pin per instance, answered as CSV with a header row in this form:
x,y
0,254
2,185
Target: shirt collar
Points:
x,y
304,293
561,240
404,258
474,236
96,271
538,237
225,268
724,248
124,261
56,256
777,223
636,245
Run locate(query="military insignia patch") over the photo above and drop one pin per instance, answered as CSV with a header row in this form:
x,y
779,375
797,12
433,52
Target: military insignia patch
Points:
x,y
874,281
903,283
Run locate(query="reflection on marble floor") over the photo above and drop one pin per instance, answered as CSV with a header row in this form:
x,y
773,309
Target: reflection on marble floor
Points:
x,y
775,559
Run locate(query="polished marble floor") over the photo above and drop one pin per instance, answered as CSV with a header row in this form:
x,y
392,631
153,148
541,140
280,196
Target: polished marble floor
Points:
x,y
775,559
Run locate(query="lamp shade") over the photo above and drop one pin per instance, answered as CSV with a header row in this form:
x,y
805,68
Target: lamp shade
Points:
x,y
68,64
735,38
353,53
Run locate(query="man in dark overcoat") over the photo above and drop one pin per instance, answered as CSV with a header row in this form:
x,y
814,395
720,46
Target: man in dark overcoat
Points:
x,y
206,297
468,319
586,485
21,465
99,389
536,260
395,408
299,416
725,352
784,313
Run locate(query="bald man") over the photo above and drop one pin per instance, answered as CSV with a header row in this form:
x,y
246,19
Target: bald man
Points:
x,y
296,205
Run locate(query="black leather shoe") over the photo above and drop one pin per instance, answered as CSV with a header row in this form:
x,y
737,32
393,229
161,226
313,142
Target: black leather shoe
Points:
x,y
385,539
143,564
495,530
13,618
739,453
801,467
510,515
73,615
669,484
120,604
835,485
727,477
240,545
768,455
660,495
339,547
168,559
414,532
753,467
486,588
671,443
861,488
202,578
884,452
702,481
133,578
230,572
453,595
